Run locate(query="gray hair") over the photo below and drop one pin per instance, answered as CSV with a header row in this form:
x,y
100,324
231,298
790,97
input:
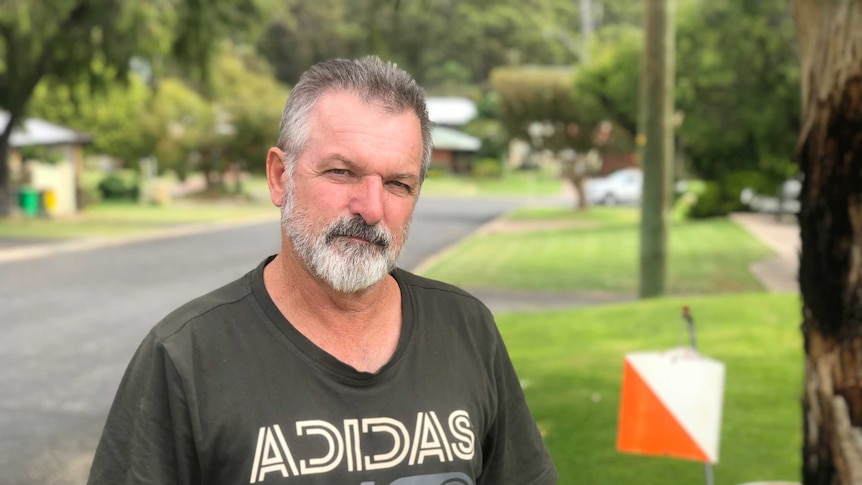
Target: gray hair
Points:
x,y
378,83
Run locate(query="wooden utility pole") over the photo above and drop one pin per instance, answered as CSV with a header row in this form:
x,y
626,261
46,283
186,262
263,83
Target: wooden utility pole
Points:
x,y
656,105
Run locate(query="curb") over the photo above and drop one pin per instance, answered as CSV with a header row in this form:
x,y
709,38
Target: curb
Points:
x,y
77,245
432,259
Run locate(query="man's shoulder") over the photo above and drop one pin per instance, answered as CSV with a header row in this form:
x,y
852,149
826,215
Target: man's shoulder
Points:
x,y
210,307
426,287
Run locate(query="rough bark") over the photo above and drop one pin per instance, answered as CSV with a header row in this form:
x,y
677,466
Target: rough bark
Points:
x,y
5,180
830,220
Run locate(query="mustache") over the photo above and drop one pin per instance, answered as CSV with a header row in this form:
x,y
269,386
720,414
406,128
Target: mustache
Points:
x,y
357,227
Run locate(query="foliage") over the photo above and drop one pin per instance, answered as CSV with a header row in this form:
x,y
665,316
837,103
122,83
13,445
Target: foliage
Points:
x,y
534,94
733,183
113,116
741,98
710,202
442,43
68,42
487,126
722,87
183,124
41,153
119,186
487,168
237,120
248,97
724,196
608,86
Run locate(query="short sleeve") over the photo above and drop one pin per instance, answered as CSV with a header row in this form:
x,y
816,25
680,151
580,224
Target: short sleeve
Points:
x,y
513,450
148,435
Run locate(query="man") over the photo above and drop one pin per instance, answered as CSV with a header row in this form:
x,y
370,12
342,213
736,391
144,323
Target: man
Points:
x,y
326,365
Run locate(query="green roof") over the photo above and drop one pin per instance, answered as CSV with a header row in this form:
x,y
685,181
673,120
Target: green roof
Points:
x,y
450,139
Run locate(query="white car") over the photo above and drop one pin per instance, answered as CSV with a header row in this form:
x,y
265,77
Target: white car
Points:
x,y
621,187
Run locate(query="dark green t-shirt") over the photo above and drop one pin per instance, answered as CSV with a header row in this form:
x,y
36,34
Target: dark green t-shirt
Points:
x,y
226,391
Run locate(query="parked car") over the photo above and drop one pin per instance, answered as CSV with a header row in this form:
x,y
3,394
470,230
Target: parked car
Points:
x,y
621,187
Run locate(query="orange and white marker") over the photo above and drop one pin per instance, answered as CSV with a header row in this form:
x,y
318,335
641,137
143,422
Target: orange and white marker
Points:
x,y
671,405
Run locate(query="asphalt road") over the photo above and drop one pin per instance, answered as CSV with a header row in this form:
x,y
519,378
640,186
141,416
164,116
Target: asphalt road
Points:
x,y
70,322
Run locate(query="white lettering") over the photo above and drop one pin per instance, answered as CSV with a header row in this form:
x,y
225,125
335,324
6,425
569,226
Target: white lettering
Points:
x,y
461,429
332,458
430,439
271,455
442,435
416,434
427,440
400,442
351,445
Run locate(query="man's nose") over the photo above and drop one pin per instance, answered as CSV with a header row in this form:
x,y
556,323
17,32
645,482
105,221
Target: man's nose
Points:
x,y
367,200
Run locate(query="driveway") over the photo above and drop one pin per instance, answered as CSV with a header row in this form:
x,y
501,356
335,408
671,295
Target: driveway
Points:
x,y
781,273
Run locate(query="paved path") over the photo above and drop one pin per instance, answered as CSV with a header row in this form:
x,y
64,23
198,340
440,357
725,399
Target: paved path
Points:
x,y
781,273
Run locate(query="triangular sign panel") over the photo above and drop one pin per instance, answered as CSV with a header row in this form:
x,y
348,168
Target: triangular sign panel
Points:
x,y
671,405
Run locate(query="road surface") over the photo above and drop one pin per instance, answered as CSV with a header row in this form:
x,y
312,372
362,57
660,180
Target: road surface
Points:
x,y
71,320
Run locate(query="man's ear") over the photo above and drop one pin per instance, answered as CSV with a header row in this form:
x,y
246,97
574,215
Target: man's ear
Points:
x,y
275,175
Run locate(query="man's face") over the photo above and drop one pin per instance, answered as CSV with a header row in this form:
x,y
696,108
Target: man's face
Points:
x,y
347,208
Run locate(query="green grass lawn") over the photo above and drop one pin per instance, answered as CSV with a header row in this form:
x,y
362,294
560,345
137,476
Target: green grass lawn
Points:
x,y
597,251
571,364
114,219
525,183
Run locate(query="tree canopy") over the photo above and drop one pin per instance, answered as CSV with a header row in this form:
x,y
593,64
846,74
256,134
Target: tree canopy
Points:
x,y
66,42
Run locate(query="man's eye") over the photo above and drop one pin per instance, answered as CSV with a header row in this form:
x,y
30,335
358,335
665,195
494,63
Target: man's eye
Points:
x,y
339,171
401,186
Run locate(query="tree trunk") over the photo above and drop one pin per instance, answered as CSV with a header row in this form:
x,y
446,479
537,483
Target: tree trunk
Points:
x,y
5,180
830,221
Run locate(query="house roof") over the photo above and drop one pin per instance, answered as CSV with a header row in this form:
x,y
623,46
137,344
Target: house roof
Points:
x,y
449,139
452,111
34,131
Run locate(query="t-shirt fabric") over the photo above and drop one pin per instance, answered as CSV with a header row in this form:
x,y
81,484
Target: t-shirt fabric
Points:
x,y
225,390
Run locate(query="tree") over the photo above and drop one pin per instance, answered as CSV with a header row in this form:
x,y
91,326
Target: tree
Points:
x,y
113,116
183,124
741,97
248,96
64,41
829,152
608,85
534,94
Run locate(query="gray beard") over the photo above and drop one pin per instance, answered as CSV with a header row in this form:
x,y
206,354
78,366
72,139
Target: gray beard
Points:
x,y
333,255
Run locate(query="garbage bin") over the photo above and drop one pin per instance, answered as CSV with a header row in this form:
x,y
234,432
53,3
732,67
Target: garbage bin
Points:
x,y
29,201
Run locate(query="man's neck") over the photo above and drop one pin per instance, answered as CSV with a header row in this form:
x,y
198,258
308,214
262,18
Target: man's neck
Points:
x,y
361,329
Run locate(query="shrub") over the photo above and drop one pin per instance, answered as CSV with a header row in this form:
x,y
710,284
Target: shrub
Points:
x,y
709,203
487,168
733,183
119,186
436,170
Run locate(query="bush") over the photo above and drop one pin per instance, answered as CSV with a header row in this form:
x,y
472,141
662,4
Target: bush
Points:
x,y
733,183
487,168
436,170
119,186
709,203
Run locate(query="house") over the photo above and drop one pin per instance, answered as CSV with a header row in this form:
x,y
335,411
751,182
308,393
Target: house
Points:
x,y
56,183
453,149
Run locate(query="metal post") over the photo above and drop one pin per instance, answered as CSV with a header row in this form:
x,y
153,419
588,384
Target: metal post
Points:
x,y
686,315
